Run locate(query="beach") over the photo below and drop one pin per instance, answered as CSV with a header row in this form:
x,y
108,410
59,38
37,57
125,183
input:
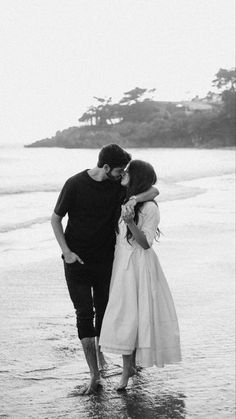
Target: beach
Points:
x,y
41,357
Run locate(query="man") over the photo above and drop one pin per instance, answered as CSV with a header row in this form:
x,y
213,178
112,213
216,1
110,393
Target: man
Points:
x,y
91,199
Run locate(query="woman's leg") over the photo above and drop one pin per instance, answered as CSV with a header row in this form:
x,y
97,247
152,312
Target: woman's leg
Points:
x,y
102,364
137,368
134,359
101,284
128,371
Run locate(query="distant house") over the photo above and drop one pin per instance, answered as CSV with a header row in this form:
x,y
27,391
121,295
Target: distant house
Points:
x,y
197,105
212,98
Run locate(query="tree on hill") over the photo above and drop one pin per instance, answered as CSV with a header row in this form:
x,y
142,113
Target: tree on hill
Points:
x,y
132,96
139,119
129,108
225,79
100,115
226,82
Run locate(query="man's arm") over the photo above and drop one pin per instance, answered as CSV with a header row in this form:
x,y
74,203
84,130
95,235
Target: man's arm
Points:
x,y
70,257
148,195
142,197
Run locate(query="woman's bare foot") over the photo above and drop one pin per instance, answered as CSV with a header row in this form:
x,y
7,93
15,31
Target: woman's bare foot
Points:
x,y
126,374
133,359
102,364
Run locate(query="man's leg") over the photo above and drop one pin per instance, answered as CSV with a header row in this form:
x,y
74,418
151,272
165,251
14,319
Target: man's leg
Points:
x,y
91,358
79,288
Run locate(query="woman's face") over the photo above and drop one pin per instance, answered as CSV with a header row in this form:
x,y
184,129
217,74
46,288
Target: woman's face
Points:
x,y
125,178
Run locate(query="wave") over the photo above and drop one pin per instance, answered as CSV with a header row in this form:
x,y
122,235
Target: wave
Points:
x,y
165,182
41,369
55,188
173,192
181,193
30,190
169,191
25,224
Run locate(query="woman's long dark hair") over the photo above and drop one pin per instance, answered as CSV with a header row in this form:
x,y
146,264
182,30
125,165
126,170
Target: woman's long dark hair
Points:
x,y
142,176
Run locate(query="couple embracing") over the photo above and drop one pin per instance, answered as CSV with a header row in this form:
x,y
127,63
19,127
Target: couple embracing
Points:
x,y
121,297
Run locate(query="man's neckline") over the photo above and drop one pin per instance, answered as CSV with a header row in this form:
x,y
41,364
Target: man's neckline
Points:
x,y
94,180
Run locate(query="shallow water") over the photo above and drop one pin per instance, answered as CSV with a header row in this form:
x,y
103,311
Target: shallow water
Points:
x,y
41,358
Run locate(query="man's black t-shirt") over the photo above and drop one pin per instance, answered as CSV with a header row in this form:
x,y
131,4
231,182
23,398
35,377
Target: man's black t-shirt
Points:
x,y
92,207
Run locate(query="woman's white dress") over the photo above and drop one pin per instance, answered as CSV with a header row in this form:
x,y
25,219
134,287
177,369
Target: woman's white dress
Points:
x,y
140,312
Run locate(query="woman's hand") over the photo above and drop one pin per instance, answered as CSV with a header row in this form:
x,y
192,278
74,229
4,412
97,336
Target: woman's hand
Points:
x,y
127,213
131,203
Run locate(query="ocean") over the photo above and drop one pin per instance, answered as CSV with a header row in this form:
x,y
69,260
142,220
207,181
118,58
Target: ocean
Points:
x,y
41,356
30,181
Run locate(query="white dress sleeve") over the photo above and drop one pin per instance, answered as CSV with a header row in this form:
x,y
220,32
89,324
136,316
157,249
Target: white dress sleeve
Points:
x,y
149,221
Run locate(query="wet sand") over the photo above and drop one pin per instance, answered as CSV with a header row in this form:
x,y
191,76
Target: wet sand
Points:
x,y
41,357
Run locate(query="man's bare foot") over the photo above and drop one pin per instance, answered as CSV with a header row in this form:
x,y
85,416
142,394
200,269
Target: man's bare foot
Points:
x,y
91,387
126,374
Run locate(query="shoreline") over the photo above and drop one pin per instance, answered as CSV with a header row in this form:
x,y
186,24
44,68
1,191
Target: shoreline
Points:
x,y
128,147
24,145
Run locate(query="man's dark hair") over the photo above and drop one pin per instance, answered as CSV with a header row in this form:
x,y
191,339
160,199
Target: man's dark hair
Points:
x,y
114,156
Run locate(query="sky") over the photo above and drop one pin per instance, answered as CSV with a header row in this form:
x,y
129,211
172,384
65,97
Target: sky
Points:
x,y
56,55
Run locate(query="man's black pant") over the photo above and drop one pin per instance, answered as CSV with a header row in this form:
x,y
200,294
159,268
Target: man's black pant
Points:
x,y
88,287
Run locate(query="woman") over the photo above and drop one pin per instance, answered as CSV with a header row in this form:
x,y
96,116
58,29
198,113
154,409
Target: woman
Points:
x,y
140,319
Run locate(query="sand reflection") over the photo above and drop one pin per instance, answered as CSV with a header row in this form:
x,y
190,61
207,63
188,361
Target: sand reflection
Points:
x,y
142,400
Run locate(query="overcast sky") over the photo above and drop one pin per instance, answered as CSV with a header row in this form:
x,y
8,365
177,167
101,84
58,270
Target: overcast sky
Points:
x,y
57,54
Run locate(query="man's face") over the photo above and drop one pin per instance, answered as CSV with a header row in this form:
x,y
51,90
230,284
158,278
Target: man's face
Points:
x,y
115,174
